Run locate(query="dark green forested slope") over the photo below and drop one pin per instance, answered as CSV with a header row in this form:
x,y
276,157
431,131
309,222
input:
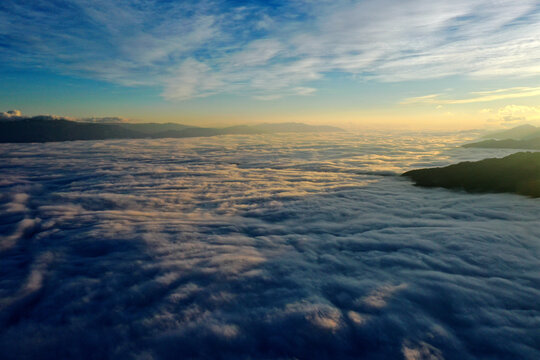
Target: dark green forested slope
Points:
x,y
517,173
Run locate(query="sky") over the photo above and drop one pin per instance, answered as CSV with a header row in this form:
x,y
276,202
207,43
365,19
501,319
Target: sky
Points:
x,y
388,63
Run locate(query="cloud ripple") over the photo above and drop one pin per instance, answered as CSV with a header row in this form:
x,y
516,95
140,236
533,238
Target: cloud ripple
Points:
x,y
270,49
260,247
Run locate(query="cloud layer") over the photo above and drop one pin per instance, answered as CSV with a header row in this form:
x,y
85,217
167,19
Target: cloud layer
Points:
x,y
194,49
260,247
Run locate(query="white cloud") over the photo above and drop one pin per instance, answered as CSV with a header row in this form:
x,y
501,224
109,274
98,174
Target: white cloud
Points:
x,y
268,97
304,90
104,120
10,114
257,52
261,247
192,79
387,40
483,96
429,99
298,91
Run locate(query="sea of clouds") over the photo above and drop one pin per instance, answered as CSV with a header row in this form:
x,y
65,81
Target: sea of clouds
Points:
x,y
261,247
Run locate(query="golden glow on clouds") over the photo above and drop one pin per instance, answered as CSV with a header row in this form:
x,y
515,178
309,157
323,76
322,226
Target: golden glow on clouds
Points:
x,y
513,113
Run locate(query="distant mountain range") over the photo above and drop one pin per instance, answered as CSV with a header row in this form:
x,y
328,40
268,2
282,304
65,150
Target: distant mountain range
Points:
x,y
47,128
517,173
517,133
520,137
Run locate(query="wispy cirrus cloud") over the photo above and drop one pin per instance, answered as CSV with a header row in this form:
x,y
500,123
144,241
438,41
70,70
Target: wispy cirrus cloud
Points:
x,y
477,97
269,50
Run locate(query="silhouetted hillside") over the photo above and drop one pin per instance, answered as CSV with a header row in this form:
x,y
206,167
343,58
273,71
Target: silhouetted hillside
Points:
x,y
241,129
294,127
47,128
517,173
44,129
529,144
153,128
187,132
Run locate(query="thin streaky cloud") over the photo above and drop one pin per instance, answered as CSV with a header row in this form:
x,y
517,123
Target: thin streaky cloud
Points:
x,y
494,95
497,91
270,49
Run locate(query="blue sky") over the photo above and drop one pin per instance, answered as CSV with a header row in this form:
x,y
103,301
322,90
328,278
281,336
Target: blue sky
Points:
x,y
379,62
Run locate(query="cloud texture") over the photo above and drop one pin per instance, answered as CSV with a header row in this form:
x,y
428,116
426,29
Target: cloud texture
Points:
x,y
10,114
270,49
242,247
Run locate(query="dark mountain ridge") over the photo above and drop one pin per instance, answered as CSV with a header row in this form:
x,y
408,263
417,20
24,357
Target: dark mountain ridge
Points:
x,y
47,128
518,173
41,129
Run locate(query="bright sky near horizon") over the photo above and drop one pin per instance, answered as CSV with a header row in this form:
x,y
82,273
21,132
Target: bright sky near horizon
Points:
x,y
402,63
